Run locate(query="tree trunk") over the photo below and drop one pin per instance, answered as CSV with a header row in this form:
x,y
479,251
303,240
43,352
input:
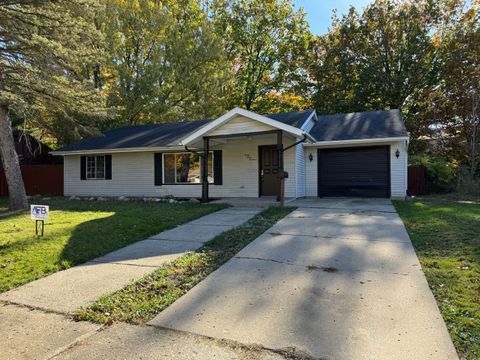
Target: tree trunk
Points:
x,y
11,166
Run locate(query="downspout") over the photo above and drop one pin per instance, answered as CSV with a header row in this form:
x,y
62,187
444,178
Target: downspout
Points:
x,y
282,174
295,144
192,151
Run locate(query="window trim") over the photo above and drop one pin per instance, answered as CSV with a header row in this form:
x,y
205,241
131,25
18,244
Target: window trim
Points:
x,y
86,167
185,183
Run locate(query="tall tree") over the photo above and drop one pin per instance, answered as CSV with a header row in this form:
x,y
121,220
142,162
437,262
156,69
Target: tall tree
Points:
x,y
43,47
266,41
166,62
452,105
379,59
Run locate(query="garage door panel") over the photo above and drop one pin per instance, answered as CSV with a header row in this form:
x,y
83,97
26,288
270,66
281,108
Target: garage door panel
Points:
x,y
363,172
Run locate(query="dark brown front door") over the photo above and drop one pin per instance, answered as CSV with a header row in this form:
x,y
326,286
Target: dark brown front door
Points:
x,y
269,182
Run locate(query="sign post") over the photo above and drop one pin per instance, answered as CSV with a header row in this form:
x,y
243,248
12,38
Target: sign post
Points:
x,y
39,213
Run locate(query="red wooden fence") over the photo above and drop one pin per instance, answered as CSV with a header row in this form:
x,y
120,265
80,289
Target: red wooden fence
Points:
x,y
38,179
417,180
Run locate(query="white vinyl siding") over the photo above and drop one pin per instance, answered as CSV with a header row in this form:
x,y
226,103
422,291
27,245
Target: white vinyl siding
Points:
x,y
311,172
299,170
398,168
240,125
133,173
300,166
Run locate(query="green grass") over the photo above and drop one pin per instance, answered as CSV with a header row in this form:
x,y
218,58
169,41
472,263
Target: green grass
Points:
x,y
142,300
78,231
446,236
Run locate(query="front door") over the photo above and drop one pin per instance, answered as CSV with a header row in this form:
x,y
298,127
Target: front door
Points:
x,y
269,181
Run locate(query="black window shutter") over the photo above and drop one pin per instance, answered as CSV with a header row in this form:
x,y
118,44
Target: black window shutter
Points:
x,y
83,167
158,169
108,167
217,167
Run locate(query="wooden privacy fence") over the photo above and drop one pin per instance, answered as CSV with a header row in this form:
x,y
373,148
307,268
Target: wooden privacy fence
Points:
x,y
38,180
417,180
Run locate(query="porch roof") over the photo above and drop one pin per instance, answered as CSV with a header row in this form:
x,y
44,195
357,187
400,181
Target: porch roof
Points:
x,y
269,124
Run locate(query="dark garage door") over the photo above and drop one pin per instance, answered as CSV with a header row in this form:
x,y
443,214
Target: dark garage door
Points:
x,y
356,171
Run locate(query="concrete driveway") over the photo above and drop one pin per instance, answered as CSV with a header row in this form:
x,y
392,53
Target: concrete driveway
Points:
x,y
337,279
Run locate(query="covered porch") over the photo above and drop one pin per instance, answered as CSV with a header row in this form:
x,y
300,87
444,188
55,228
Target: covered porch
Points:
x,y
257,157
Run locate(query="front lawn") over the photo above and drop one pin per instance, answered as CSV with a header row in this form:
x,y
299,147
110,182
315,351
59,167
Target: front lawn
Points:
x,y
78,231
446,236
143,299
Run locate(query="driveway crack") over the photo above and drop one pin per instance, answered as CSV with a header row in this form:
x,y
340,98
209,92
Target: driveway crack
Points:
x,y
263,259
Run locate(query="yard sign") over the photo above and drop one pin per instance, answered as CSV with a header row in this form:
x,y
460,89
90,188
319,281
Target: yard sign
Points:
x,y
39,213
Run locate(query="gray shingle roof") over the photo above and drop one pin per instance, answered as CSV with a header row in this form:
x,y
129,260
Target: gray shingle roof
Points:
x,y
150,135
294,118
360,125
374,124
163,134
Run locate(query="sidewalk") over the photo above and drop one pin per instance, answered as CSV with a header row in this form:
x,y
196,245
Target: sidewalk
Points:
x,y
37,334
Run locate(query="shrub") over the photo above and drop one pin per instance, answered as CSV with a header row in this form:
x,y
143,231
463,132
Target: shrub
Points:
x,y
466,184
441,173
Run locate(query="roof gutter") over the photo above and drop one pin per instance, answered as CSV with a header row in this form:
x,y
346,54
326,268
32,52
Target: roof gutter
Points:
x,y
357,141
117,150
309,137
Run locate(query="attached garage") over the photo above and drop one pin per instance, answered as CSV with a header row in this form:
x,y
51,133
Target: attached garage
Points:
x,y
358,155
354,171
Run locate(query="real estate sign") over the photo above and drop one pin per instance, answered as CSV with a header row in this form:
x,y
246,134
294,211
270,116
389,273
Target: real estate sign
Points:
x,y
39,212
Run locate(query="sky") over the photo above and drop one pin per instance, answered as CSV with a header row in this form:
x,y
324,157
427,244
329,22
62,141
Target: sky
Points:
x,y
319,12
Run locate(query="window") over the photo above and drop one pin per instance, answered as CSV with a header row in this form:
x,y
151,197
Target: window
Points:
x,y
95,167
185,168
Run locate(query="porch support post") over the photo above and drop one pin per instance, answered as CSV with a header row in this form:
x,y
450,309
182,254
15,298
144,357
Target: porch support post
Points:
x,y
205,170
281,175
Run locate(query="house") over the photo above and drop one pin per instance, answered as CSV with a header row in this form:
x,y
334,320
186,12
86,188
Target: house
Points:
x,y
356,154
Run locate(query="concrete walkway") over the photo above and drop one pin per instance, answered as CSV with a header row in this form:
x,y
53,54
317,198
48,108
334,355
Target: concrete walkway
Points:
x,y
28,333
338,279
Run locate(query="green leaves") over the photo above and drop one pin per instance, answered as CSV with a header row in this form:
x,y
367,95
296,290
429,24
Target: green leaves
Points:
x,y
46,48
374,60
421,57
266,41
166,63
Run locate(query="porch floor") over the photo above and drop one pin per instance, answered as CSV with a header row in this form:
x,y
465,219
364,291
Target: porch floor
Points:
x,y
261,202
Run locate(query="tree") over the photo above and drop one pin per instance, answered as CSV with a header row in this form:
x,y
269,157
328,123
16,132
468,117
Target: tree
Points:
x,y
380,59
165,61
266,41
452,104
44,45
275,102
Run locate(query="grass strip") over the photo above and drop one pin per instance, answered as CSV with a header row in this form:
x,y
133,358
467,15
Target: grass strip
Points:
x,y
143,299
446,236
